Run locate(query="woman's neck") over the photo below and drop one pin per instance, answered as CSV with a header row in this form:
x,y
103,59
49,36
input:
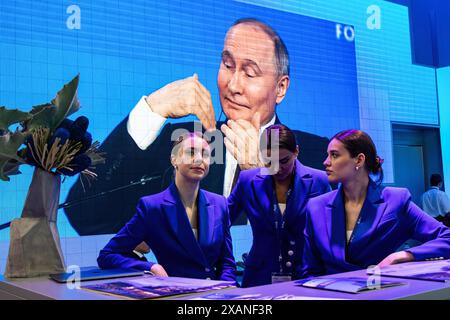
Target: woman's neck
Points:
x,y
283,183
355,191
188,190
281,188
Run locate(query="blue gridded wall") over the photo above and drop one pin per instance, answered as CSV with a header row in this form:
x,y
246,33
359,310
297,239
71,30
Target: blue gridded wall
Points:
x,y
443,80
120,59
390,88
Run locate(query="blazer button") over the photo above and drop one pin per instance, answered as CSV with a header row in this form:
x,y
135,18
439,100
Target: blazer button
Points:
x,y
290,252
288,264
208,278
207,269
292,243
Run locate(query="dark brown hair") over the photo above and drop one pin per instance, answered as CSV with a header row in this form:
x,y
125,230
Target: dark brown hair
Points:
x,y
286,137
435,179
356,142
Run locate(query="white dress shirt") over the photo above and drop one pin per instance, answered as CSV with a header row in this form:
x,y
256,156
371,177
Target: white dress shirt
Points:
x,y
435,202
144,126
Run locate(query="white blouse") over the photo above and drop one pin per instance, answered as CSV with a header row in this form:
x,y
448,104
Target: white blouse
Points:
x,y
349,234
282,207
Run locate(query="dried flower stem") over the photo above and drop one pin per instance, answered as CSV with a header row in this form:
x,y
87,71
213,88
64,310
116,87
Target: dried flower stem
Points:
x,y
57,156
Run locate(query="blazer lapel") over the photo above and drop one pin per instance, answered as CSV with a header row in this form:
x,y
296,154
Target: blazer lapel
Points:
x,y
371,213
263,192
335,217
299,194
207,220
179,223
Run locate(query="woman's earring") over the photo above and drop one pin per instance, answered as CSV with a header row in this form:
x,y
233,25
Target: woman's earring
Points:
x,y
357,168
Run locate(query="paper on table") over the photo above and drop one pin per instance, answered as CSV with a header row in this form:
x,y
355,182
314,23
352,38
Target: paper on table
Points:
x,y
421,270
149,287
349,285
257,296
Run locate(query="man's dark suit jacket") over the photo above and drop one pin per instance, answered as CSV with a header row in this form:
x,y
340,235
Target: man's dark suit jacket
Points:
x,y
126,163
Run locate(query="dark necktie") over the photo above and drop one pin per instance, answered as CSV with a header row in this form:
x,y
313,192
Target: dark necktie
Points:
x,y
235,178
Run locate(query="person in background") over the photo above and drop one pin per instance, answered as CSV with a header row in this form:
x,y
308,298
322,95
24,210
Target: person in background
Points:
x,y
436,202
362,224
187,228
275,206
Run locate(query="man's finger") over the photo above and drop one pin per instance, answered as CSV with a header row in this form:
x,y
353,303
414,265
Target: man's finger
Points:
x,y
247,127
249,131
205,104
230,147
200,114
239,135
245,140
246,135
203,101
201,86
204,114
206,95
256,121
240,151
195,106
236,127
229,133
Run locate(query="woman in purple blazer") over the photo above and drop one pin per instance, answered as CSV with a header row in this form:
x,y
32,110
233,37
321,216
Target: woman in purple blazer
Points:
x,y
187,228
362,224
275,206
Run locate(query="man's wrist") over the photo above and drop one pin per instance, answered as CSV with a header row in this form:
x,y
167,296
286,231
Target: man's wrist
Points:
x,y
154,106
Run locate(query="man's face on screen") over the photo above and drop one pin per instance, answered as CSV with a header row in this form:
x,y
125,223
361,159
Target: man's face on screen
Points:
x,y
247,78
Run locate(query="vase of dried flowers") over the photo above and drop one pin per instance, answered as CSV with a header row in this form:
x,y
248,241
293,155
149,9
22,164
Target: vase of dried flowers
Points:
x,y
55,146
35,247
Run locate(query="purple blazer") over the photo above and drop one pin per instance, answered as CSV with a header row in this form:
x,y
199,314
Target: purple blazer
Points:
x,y
161,221
253,194
388,218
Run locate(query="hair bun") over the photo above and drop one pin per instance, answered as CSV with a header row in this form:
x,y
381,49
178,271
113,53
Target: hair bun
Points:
x,y
378,163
